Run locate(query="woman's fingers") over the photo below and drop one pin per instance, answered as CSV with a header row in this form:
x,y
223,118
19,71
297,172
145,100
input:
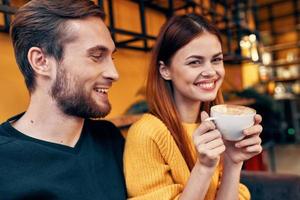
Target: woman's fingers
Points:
x,y
206,126
250,144
216,152
208,141
204,116
207,137
211,144
254,149
214,144
249,141
253,130
257,119
211,153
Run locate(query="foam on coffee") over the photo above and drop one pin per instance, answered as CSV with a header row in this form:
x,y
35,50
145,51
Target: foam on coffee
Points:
x,y
233,109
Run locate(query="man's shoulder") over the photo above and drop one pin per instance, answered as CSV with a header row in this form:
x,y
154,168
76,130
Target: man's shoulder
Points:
x,y
5,137
7,132
101,125
103,128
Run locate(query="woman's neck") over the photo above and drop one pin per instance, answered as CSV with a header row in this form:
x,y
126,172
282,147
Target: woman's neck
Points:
x,y
188,111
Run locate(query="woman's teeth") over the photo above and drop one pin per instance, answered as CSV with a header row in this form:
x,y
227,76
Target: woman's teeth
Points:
x,y
206,85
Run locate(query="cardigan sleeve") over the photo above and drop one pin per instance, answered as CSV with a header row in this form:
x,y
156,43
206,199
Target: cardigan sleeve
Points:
x,y
244,193
147,175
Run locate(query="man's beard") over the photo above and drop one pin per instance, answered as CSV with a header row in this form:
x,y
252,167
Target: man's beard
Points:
x,y
73,100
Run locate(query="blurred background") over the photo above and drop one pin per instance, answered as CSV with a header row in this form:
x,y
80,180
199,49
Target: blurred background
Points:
x,y
261,40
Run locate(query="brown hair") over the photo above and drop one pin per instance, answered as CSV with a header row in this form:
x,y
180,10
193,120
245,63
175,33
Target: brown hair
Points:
x,y
175,34
42,23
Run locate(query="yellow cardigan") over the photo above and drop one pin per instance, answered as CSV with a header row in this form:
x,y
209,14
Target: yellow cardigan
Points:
x,y
154,167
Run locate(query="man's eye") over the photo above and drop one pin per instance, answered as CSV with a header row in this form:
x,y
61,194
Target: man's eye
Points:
x,y
96,57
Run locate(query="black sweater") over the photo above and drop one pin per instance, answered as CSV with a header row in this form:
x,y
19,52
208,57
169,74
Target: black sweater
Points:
x,y
35,169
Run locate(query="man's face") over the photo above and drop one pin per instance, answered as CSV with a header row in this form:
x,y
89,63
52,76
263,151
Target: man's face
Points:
x,y
87,71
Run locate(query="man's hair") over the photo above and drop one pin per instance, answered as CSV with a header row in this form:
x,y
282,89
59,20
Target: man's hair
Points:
x,y
42,23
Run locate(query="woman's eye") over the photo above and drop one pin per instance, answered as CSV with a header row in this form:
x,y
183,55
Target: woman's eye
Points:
x,y
195,62
217,60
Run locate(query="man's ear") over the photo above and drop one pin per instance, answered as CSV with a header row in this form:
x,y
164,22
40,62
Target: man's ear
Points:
x,y
164,71
38,61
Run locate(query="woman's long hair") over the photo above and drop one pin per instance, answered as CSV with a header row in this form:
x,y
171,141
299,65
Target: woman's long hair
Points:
x,y
175,34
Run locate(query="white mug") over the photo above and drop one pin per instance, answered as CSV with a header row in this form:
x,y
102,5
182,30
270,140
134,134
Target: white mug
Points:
x,y
231,120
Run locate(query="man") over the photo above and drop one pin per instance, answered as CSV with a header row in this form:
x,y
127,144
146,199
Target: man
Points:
x,y
54,150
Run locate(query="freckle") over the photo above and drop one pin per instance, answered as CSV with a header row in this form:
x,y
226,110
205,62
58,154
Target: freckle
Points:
x,y
31,121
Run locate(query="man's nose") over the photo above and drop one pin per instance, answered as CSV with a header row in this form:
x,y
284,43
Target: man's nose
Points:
x,y
111,72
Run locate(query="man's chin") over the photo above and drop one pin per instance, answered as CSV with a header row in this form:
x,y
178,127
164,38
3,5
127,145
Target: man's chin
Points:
x,y
93,111
102,112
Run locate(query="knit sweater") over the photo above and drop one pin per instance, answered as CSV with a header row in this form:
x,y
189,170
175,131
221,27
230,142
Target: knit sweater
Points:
x,y
39,170
155,169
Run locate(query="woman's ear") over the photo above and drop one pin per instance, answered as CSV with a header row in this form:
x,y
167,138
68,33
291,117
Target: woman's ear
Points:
x,y
38,61
164,71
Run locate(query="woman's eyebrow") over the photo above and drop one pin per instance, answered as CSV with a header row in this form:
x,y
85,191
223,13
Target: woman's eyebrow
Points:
x,y
217,54
195,56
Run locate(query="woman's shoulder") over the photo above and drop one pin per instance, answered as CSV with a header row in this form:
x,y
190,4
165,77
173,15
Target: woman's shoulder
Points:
x,y
148,126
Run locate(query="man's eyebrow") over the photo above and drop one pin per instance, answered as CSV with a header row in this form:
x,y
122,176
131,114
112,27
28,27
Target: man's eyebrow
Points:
x,y
99,48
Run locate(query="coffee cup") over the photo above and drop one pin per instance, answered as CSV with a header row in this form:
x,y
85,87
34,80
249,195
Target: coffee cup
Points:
x,y
231,120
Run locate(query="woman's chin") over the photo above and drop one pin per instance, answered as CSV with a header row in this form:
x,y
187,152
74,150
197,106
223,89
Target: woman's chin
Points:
x,y
208,98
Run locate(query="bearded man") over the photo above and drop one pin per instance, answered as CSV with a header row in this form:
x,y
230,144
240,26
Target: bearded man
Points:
x,y
55,150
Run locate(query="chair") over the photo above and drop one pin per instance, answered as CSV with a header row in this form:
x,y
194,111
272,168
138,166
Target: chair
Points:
x,y
271,186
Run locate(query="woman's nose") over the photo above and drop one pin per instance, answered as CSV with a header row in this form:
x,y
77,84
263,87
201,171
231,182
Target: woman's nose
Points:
x,y
208,72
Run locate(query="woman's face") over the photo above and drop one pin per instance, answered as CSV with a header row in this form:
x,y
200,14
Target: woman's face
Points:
x,y
196,70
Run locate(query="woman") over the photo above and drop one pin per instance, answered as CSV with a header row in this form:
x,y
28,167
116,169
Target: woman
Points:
x,y
173,152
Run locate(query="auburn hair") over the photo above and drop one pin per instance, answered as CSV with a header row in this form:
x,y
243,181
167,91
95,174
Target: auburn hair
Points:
x,y
174,34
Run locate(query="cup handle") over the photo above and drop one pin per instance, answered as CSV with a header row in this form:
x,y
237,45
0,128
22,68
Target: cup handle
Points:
x,y
210,119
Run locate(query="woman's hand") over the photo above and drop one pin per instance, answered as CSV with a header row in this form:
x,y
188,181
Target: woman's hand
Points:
x,y
208,142
248,147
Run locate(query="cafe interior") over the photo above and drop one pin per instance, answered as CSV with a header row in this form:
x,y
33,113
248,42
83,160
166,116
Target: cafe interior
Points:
x,y
261,40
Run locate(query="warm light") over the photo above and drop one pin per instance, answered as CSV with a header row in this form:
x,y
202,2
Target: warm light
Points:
x,y
252,38
263,70
254,54
279,90
266,58
242,43
290,56
245,44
